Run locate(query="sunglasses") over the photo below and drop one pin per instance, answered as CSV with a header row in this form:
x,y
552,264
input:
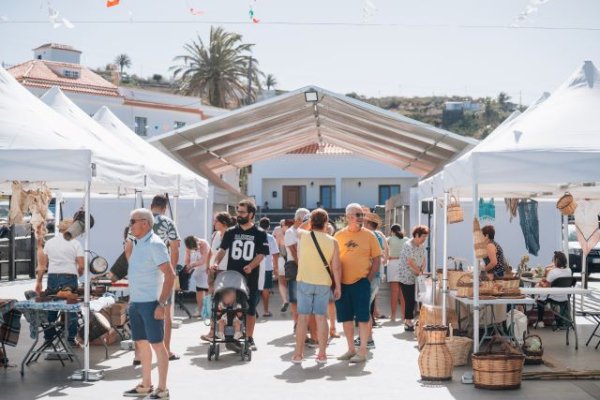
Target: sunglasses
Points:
x,y
358,215
133,221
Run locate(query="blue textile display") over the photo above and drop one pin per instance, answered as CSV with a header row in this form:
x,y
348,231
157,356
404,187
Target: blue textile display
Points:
x,y
528,218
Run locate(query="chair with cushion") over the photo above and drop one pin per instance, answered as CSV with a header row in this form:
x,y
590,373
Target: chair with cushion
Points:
x,y
563,316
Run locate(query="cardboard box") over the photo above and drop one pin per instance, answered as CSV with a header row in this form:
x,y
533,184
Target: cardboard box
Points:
x,y
118,320
109,338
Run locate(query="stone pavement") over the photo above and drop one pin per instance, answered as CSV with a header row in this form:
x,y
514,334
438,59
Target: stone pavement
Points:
x,y
392,371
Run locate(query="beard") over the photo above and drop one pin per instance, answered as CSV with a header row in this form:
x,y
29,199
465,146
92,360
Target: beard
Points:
x,y
243,221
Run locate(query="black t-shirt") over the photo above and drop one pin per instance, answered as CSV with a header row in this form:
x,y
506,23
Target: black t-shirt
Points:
x,y
243,246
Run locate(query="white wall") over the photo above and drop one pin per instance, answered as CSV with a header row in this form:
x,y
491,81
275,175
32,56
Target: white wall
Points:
x,y
508,234
299,169
111,216
58,55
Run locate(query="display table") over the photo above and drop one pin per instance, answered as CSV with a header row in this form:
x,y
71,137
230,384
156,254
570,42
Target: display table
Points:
x,y
491,303
36,313
10,327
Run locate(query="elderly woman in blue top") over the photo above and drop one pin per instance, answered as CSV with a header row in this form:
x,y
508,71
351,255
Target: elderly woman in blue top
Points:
x,y
151,281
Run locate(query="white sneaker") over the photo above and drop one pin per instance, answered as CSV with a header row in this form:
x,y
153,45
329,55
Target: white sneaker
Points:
x,y
238,335
540,324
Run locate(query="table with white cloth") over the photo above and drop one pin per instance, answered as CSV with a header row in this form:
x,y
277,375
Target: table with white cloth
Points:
x,y
490,304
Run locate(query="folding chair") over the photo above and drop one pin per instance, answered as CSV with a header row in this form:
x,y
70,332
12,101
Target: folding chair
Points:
x,y
564,316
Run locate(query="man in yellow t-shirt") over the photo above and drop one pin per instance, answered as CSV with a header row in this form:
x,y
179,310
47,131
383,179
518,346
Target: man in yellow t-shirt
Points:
x,y
360,255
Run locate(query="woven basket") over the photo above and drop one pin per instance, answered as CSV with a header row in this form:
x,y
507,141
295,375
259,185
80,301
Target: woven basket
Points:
x,y
464,286
532,357
453,277
509,283
500,370
435,360
420,335
486,288
455,211
566,204
479,240
431,315
459,347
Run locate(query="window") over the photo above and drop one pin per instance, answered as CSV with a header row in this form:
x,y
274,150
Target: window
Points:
x,y
71,74
179,124
327,196
387,191
141,126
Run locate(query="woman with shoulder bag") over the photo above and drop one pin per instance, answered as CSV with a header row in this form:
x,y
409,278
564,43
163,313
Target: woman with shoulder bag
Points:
x,y
319,272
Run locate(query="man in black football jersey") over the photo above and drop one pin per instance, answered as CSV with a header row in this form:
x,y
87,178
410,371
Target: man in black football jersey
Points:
x,y
247,245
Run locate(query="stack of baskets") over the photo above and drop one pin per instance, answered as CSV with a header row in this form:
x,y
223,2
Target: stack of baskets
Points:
x,y
464,286
566,204
453,277
435,360
459,347
479,240
498,370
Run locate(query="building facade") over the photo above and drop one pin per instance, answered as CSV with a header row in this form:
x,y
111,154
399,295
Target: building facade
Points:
x,y
325,176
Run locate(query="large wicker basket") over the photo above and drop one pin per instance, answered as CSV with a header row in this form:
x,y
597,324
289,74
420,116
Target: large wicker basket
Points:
x,y
455,211
453,277
431,315
498,370
459,347
464,286
435,360
532,357
479,240
566,204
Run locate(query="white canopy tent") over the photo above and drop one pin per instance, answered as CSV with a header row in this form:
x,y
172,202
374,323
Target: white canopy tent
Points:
x,y
552,147
190,183
307,116
38,144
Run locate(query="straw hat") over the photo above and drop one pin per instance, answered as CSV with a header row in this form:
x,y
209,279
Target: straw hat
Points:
x,y
65,224
372,217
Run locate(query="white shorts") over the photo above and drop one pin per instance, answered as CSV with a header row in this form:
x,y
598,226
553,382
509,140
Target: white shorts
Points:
x,y
393,271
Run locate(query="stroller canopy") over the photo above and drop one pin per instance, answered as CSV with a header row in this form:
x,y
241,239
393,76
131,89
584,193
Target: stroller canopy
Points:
x,y
231,280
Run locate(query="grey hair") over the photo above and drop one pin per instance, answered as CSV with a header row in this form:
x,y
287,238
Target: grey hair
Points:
x,y
143,213
353,206
300,214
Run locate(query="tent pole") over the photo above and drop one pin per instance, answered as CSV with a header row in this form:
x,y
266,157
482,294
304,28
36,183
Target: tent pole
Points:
x,y
206,220
419,210
445,263
86,278
433,236
474,197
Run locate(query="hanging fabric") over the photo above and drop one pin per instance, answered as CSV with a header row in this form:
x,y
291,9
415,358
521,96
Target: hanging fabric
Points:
x,y
487,210
586,221
528,219
511,207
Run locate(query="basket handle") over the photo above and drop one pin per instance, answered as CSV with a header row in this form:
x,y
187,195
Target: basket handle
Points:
x,y
533,335
453,201
451,330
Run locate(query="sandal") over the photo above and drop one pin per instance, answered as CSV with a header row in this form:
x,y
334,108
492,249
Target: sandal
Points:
x,y
297,359
206,338
321,359
334,334
174,357
268,314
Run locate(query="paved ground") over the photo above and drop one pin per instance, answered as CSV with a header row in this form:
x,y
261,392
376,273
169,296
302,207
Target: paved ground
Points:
x,y
391,372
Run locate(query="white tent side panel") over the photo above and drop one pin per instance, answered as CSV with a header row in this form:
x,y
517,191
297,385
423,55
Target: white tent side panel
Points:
x,y
45,165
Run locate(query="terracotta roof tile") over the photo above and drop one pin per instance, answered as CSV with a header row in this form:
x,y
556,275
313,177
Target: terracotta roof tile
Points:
x,y
39,73
326,149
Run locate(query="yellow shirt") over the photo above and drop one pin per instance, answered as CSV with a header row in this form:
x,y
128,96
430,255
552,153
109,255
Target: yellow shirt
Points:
x,y
311,269
356,251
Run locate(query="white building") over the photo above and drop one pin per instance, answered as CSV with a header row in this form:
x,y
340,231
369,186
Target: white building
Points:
x,y
328,176
146,112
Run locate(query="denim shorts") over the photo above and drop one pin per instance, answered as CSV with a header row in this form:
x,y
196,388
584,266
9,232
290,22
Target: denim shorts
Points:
x,y
354,302
143,324
312,299
292,288
268,280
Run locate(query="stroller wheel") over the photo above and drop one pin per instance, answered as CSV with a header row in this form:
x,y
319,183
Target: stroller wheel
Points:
x,y
217,351
211,352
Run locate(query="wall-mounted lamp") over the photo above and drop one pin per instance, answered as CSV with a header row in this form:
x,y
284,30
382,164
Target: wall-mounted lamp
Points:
x,y
359,183
311,96
312,184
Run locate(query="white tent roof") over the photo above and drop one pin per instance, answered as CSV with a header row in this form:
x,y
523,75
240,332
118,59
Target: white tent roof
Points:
x,y
288,122
190,184
554,146
37,144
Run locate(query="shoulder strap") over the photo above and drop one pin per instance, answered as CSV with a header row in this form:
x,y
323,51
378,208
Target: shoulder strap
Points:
x,y
314,238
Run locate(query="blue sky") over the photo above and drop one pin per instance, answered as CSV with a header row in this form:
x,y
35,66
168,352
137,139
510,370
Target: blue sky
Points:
x,y
442,47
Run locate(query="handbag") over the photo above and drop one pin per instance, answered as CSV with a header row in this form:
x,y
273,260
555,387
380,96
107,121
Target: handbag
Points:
x,y
290,269
325,263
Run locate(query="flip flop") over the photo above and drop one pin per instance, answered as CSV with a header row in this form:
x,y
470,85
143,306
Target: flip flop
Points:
x,y
174,357
296,360
267,314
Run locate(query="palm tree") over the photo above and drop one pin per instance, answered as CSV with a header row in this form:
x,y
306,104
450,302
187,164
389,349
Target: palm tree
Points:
x,y
271,82
123,61
224,72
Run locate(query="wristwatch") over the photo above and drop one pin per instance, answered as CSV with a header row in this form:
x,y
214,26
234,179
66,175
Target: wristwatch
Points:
x,y
163,305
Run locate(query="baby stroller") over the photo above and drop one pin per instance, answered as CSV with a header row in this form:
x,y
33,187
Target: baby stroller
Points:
x,y
227,280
